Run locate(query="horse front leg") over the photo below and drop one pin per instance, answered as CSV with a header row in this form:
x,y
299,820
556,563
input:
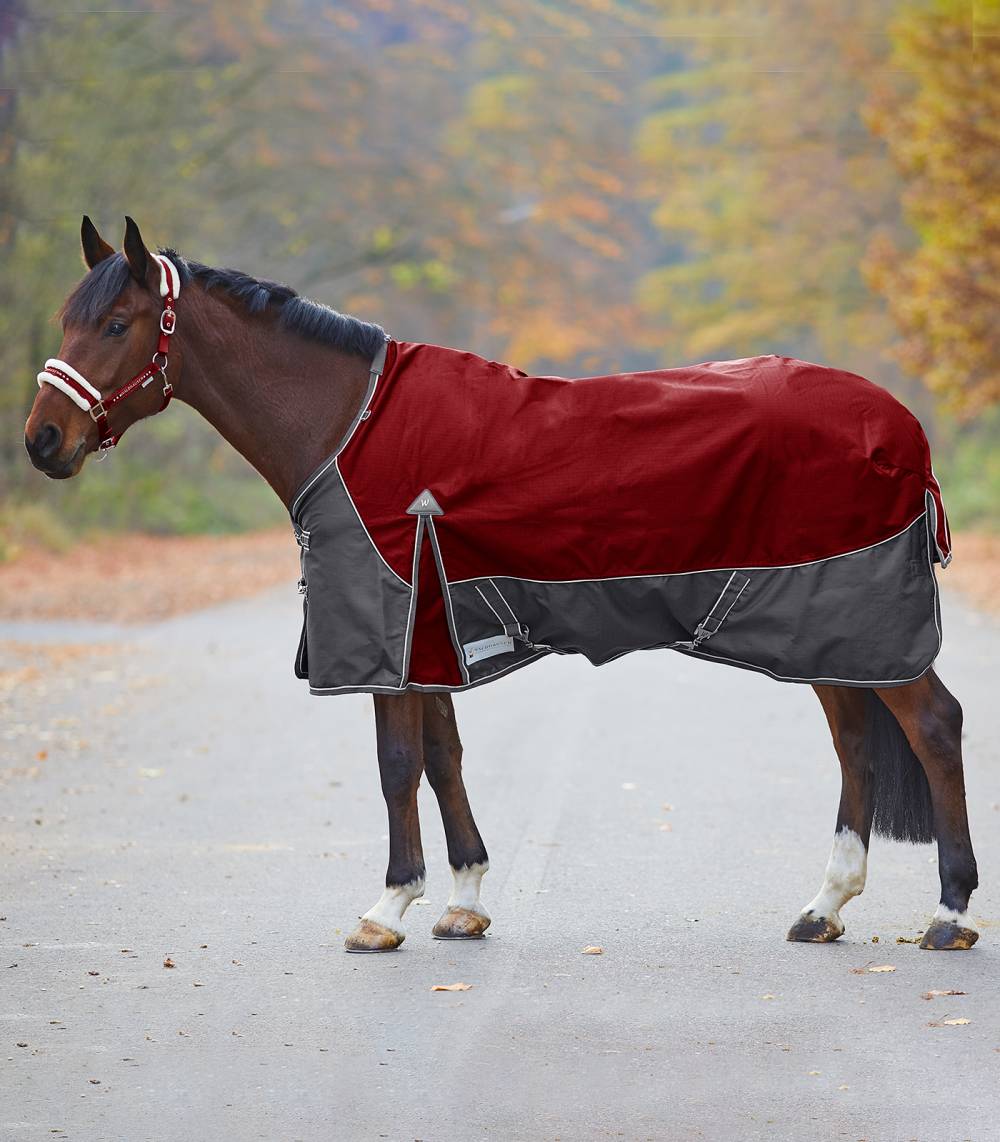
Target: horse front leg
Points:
x,y
931,718
464,916
399,737
846,869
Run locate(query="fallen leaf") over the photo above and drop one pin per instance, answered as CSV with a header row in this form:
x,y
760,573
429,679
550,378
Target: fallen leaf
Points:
x,y
882,967
813,1072
859,971
955,1022
907,940
874,939
42,754
947,991
592,950
452,987
168,962
768,996
667,807
843,1086
93,973
96,1082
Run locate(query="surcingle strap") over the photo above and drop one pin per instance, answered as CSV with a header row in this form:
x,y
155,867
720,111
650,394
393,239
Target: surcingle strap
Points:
x,y
736,584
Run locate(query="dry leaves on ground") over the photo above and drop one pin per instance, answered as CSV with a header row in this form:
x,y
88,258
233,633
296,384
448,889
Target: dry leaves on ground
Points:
x,y
947,991
592,950
168,962
949,1022
882,967
452,987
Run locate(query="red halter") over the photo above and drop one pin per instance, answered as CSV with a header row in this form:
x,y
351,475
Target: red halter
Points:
x,y
64,377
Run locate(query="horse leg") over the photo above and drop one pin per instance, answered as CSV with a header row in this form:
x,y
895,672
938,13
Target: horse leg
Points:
x,y
399,736
931,718
820,920
464,916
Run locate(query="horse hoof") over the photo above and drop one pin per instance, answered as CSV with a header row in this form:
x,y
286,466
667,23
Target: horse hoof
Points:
x,y
945,936
371,937
815,929
461,924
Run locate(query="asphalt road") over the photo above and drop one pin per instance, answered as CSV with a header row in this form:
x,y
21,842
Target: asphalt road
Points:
x,y
173,792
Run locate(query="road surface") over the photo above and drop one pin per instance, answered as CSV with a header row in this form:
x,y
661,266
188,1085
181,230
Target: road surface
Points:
x,y
171,793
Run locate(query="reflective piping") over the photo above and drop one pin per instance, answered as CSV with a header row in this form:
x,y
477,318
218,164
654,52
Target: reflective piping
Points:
x,y
446,594
425,688
377,368
411,614
347,492
700,571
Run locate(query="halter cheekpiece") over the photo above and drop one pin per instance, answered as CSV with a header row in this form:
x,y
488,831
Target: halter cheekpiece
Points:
x,y
81,392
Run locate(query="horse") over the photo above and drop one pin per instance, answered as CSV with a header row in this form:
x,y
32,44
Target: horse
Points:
x,y
285,381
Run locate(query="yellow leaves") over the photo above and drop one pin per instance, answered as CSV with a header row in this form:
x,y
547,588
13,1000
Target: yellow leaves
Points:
x,y
452,987
592,950
882,968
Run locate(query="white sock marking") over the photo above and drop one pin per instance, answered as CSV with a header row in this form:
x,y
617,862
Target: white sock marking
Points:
x,y
950,916
392,904
465,888
845,876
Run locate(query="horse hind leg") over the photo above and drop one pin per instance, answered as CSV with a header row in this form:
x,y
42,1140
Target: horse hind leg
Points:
x,y
931,719
846,869
464,916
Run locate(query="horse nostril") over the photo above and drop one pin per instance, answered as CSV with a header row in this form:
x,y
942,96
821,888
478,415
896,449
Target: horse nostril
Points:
x,y
48,441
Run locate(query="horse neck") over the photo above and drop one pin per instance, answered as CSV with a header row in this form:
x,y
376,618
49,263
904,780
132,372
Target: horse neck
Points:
x,y
283,402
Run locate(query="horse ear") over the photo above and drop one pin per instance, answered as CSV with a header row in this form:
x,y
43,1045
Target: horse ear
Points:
x,y
95,249
136,253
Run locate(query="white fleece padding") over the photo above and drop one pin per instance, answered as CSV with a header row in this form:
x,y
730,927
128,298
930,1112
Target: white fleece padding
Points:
x,y
54,362
60,384
170,279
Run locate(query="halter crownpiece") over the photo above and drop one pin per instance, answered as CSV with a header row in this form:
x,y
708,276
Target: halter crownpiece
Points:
x,y
62,376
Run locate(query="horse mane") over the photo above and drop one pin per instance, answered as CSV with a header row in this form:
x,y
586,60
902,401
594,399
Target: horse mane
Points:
x,y
94,297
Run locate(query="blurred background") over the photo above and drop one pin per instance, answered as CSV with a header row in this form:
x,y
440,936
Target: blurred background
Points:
x,y
572,186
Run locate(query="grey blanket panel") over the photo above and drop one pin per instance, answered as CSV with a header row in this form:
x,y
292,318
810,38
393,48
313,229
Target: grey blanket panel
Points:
x,y
357,637
869,617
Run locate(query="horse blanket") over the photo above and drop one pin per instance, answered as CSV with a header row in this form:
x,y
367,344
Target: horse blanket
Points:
x,y
766,513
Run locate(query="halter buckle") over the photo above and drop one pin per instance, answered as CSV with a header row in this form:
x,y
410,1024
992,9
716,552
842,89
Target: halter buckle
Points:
x,y
168,321
97,411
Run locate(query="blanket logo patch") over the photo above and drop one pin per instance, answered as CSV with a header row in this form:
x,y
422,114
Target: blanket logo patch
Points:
x,y
487,648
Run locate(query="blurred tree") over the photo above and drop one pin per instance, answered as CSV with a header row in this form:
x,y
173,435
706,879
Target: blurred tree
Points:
x,y
765,180
939,111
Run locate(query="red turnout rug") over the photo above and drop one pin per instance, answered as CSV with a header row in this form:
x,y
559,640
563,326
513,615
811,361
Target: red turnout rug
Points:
x,y
768,513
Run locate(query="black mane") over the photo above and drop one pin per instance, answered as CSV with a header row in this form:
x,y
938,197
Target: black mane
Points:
x,y
94,297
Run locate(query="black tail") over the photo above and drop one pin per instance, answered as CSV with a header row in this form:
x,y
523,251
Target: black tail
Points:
x,y
901,797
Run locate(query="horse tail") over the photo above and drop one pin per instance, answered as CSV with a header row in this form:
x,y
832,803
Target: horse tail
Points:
x,y
901,795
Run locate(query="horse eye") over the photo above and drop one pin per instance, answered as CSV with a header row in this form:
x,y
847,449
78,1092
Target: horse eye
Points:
x,y
116,329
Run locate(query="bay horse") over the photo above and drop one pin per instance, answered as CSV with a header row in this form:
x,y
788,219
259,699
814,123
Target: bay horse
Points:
x,y
284,379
